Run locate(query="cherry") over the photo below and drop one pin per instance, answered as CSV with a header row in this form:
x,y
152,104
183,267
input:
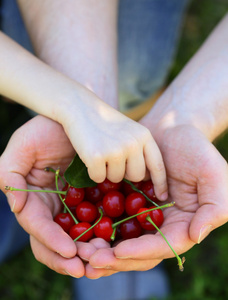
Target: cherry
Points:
x,y
78,229
130,229
134,202
93,194
65,221
86,212
127,189
147,188
74,196
99,204
104,229
156,216
108,186
113,204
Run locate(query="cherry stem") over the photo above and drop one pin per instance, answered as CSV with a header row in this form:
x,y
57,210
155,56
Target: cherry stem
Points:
x,y
179,260
49,169
10,188
143,212
139,191
101,215
62,200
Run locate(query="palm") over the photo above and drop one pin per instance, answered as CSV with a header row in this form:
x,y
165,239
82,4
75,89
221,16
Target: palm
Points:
x,y
36,145
197,179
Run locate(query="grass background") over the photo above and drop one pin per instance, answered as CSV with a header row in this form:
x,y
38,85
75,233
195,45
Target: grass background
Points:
x,y
205,275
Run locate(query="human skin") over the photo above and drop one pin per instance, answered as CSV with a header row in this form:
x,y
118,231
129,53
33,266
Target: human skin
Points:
x,y
185,121
86,120
197,174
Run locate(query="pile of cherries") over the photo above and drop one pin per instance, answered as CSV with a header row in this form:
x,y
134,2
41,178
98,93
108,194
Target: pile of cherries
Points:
x,y
109,210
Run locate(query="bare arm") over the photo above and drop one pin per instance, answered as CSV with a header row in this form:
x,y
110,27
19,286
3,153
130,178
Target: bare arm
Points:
x,y
78,38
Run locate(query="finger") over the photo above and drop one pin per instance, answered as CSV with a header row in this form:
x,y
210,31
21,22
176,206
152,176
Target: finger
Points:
x,y
86,250
36,218
154,246
135,167
213,200
105,259
73,267
116,168
92,273
97,169
156,167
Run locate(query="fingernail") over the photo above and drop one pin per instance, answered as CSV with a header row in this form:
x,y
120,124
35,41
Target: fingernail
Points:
x,y
164,196
204,231
11,200
70,274
63,255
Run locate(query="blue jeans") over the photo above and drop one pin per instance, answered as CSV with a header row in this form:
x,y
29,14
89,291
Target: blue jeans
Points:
x,y
148,34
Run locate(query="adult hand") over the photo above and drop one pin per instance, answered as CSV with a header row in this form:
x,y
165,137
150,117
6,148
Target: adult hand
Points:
x,y
197,178
39,143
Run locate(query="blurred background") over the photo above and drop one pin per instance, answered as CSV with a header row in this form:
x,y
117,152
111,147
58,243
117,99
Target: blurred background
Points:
x,y
205,275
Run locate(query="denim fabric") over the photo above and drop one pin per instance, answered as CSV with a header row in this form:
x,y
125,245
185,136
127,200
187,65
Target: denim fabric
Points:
x,y
12,237
149,31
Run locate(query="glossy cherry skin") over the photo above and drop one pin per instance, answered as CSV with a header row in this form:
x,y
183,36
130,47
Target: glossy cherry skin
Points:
x,y
127,189
74,196
93,194
108,186
113,204
134,202
130,229
65,221
147,188
156,216
78,229
104,228
86,212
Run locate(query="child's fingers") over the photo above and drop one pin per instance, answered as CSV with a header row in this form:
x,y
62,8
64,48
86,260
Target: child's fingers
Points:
x,y
156,167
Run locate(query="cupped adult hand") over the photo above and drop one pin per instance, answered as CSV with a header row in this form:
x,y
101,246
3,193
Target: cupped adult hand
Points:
x,y
197,178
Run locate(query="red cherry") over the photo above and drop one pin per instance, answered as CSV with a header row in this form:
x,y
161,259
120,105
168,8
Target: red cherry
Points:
x,y
104,229
99,204
134,202
156,216
86,212
93,194
113,204
64,220
108,186
78,229
127,189
147,188
74,196
130,229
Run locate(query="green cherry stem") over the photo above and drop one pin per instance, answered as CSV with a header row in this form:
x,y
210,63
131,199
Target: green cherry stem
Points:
x,y
62,200
139,191
179,260
49,169
143,212
101,215
10,188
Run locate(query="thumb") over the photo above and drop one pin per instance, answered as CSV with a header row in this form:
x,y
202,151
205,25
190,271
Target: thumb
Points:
x,y
15,164
207,218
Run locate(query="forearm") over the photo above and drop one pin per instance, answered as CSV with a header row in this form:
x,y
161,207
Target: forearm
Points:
x,y
199,94
32,83
78,38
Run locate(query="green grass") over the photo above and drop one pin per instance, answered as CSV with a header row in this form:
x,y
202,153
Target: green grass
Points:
x,y
205,275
